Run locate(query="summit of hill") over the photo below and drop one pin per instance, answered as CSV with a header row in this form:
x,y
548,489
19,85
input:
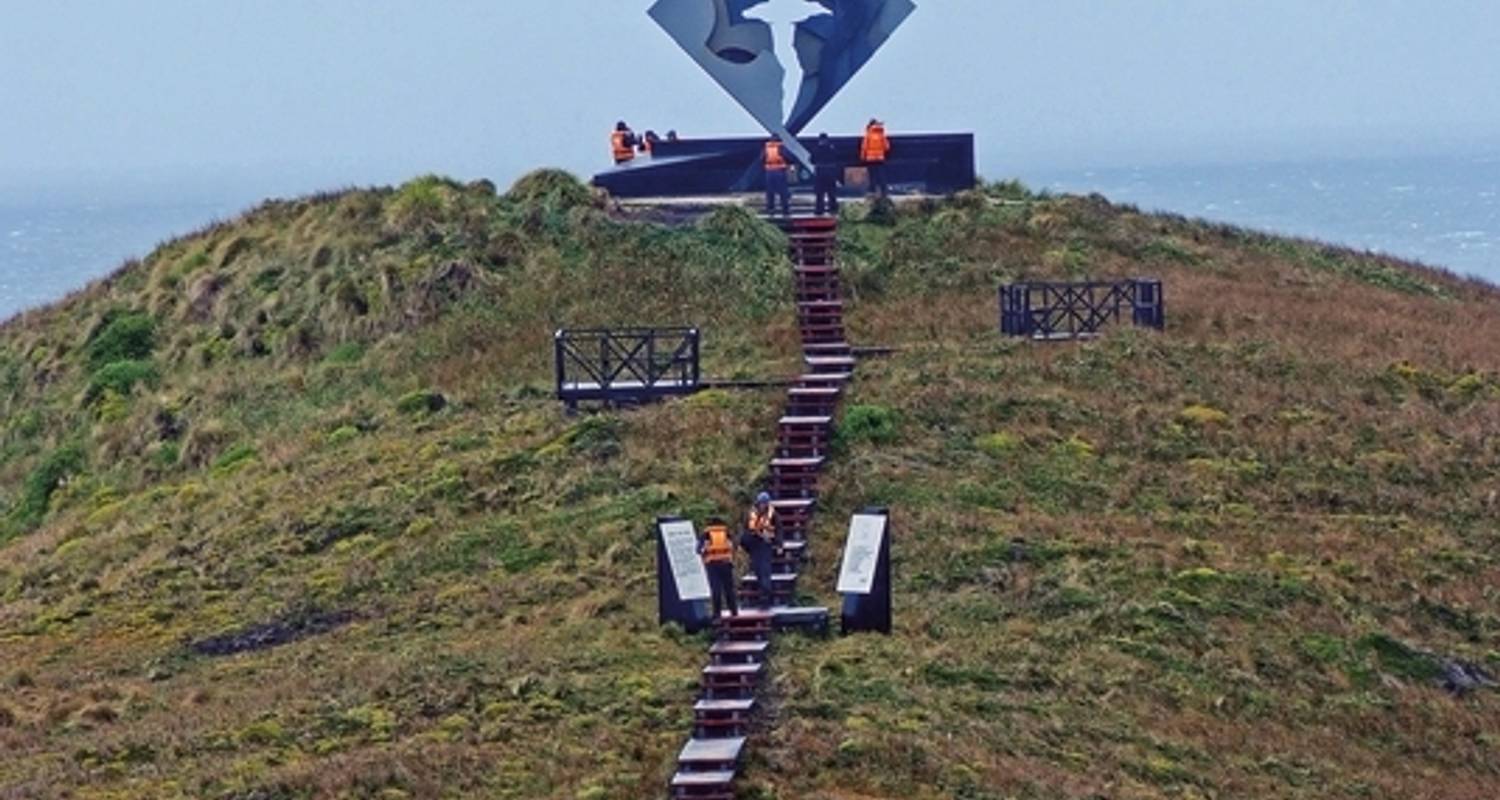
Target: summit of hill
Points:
x,y
288,510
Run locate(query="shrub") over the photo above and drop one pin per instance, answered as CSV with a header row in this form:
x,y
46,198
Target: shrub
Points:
x,y
998,444
204,443
882,211
421,204
1008,190
43,481
867,423
120,377
129,337
1203,416
347,433
1400,659
422,402
346,353
234,457
550,190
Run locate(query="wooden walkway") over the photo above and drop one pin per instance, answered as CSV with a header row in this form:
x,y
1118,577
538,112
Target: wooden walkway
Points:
x,y
710,762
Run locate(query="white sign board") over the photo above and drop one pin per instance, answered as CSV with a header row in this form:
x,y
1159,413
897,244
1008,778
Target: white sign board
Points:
x,y
862,554
687,568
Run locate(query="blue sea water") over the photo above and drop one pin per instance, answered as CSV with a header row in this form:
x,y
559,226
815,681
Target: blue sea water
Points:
x,y
1443,211
51,249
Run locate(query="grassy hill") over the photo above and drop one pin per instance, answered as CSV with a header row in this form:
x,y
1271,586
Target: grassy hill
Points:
x,y
289,512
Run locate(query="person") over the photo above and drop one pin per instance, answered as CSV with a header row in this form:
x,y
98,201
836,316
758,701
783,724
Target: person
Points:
x,y
778,185
873,152
649,143
763,531
828,175
717,550
623,143
672,136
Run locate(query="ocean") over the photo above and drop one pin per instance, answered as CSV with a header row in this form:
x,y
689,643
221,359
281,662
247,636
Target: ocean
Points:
x,y
51,249
1442,211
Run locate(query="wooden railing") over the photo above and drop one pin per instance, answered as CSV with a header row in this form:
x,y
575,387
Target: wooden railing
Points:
x,y
626,366
1052,311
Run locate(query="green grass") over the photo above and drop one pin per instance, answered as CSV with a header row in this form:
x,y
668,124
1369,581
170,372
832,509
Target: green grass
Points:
x,y
1225,561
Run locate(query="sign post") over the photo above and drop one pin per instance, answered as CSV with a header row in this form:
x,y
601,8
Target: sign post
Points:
x,y
682,581
865,579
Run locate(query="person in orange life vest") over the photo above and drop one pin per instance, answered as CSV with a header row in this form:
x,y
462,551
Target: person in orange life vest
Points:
x,y
717,550
763,542
873,152
778,185
622,144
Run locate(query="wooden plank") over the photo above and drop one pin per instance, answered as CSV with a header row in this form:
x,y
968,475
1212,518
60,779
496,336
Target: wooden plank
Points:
x,y
740,706
797,462
733,670
698,780
712,751
739,648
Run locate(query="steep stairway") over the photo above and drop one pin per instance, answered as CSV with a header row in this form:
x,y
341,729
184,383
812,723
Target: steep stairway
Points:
x,y
711,760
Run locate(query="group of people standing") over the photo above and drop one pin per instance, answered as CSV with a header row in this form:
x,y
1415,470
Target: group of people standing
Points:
x,y
760,539
624,143
828,164
828,170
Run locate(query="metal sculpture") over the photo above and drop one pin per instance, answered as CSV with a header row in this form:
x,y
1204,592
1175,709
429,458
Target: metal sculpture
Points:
x,y
734,41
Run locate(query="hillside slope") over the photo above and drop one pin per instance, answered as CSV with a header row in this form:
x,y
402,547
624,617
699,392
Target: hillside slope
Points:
x,y
289,512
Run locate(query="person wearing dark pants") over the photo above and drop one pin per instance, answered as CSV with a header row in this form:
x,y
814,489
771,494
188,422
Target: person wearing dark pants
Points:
x,y
717,551
873,153
778,184
764,534
828,169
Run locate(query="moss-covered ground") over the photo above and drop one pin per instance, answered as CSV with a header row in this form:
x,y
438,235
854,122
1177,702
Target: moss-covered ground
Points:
x,y
1231,560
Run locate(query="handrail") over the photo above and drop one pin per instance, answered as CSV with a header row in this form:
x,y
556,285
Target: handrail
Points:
x,y
1055,310
626,365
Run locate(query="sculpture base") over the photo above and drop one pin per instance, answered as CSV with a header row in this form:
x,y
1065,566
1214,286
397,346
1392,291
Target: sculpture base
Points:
x,y
935,164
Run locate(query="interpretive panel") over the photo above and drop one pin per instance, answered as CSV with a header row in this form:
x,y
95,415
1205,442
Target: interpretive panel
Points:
x,y
862,554
681,542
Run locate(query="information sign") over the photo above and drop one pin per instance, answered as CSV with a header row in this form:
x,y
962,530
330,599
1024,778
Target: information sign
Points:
x,y
681,542
862,554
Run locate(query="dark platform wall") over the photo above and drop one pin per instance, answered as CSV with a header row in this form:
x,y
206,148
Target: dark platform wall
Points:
x,y
927,163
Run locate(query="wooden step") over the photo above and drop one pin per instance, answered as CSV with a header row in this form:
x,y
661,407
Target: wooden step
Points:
x,y
793,505
716,785
818,422
712,754
732,677
699,779
798,463
739,649
815,380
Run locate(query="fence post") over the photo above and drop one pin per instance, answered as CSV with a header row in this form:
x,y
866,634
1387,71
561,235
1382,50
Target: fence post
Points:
x,y
697,366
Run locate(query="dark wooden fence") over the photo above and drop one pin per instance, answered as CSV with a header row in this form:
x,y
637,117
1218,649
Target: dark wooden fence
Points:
x,y
1059,311
626,366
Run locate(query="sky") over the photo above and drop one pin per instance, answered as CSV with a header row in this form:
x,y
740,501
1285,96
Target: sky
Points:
x,y
305,93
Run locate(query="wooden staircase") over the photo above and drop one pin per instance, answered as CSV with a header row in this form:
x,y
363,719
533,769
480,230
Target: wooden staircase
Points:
x,y
739,658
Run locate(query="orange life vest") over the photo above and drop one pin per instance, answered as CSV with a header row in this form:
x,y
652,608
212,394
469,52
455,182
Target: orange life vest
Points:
x,y
620,143
720,548
763,524
876,146
775,161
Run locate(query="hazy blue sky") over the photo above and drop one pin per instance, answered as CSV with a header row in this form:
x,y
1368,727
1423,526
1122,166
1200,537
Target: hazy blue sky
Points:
x,y
318,91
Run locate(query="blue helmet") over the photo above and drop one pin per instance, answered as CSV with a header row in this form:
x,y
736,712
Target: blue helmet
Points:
x,y
763,498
